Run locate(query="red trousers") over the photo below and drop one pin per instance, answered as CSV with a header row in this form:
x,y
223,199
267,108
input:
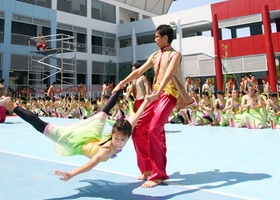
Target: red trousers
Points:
x,y
41,45
2,114
137,104
149,137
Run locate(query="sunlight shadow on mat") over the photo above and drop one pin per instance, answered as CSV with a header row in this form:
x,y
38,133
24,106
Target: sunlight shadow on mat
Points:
x,y
215,178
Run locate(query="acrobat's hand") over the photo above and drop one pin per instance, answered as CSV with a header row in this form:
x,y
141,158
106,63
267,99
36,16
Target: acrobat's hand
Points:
x,y
65,176
117,88
152,97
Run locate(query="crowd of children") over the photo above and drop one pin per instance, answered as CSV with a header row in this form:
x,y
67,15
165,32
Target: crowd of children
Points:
x,y
235,108
248,109
75,106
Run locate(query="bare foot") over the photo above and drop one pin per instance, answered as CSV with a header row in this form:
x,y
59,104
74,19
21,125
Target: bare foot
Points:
x,y
144,176
152,183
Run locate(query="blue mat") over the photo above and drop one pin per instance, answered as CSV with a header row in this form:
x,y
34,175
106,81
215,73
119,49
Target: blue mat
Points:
x,y
203,163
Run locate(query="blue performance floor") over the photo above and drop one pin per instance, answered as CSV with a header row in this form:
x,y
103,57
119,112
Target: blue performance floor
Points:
x,y
204,163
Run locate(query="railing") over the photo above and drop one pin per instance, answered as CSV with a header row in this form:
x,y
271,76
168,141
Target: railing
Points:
x,y
81,47
71,90
103,50
21,39
42,3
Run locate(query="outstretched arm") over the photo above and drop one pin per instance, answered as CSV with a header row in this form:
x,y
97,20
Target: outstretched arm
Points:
x,y
95,160
133,119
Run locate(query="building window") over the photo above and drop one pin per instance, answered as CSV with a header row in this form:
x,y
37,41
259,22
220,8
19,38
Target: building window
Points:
x,y
21,32
43,3
226,34
273,27
103,11
96,79
147,38
207,33
25,27
103,43
243,32
125,42
19,66
103,71
128,16
78,32
1,30
81,42
81,71
78,7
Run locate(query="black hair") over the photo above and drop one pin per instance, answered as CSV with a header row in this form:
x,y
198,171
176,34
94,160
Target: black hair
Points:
x,y
273,94
251,85
205,93
2,80
136,65
106,96
93,102
122,125
196,90
220,92
167,30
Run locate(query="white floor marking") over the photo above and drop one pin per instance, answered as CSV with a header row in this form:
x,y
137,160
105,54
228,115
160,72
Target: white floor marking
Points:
x,y
128,175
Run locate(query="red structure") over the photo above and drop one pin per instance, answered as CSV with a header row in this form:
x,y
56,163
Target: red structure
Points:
x,y
261,41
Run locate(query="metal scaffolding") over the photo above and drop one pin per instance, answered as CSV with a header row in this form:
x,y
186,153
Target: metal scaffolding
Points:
x,y
56,62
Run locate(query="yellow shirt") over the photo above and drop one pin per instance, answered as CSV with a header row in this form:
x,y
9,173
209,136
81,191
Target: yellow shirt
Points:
x,y
91,148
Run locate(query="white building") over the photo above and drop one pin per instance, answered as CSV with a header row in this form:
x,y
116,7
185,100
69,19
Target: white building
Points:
x,y
109,36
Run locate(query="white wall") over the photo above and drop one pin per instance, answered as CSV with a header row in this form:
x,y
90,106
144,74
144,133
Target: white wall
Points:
x,y
198,44
187,18
190,45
